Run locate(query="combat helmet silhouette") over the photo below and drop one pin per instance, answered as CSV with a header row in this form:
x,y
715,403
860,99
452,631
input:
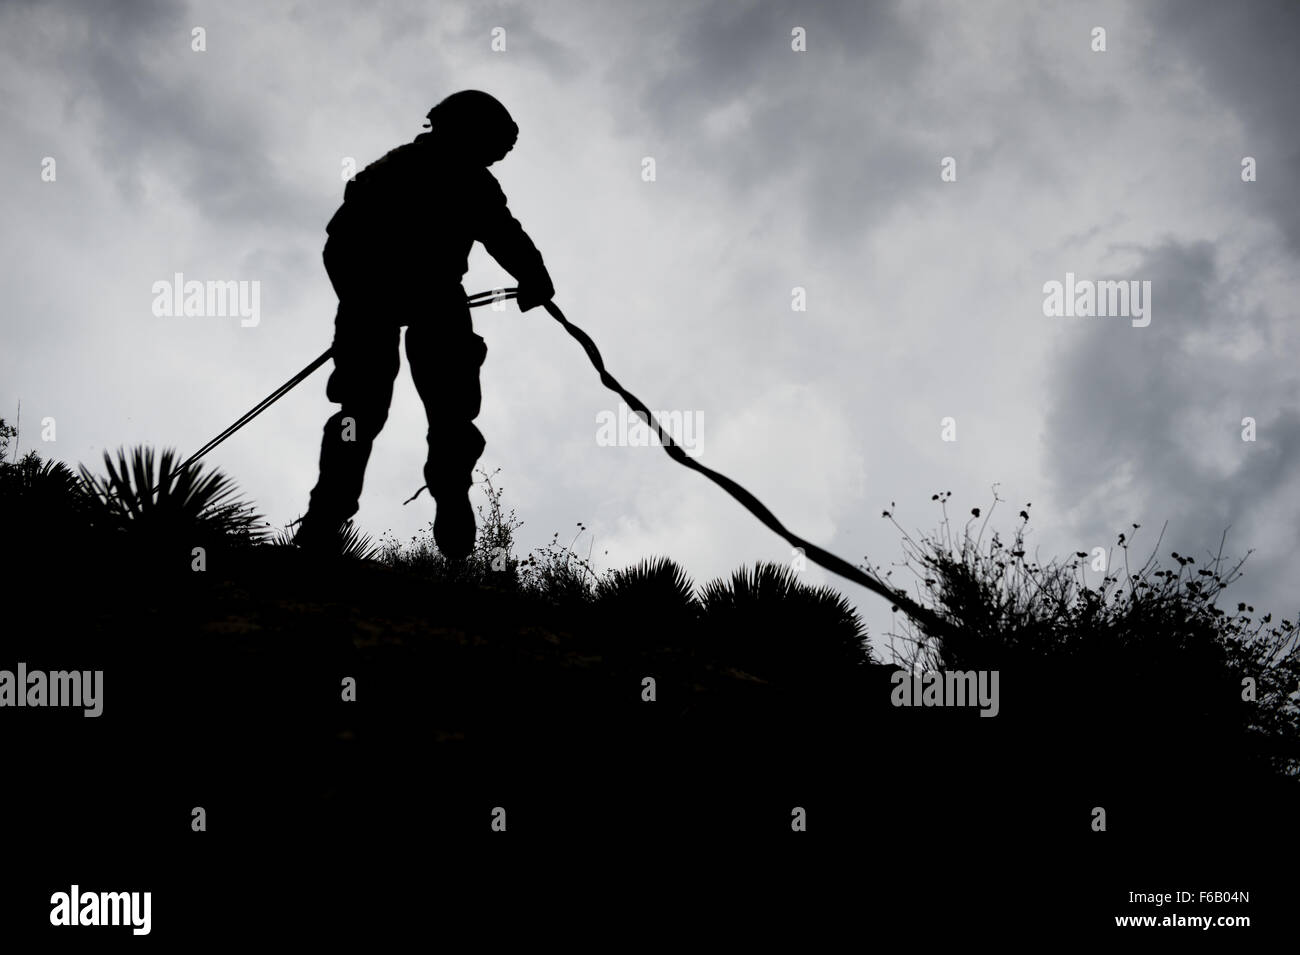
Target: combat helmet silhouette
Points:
x,y
486,128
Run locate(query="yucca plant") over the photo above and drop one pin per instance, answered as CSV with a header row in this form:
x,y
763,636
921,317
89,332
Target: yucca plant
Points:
x,y
351,543
648,606
766,621
654,584
146,502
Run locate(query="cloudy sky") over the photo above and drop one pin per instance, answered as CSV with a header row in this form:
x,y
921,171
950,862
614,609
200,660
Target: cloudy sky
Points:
x,y
774,169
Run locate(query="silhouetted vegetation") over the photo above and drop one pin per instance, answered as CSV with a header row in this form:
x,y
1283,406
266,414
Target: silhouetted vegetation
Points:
x,y
1148,642
1142,643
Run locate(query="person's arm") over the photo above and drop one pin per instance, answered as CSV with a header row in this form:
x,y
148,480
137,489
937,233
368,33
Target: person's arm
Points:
x,y
508,243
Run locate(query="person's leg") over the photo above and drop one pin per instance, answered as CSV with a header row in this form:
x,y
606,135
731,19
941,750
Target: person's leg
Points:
x,y
366,361
445,357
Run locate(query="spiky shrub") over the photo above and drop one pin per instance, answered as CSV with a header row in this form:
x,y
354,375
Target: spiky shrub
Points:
x,y
647,607
141,503
1149,643
40,483
355,545
653,584
350,543
42,507
767,622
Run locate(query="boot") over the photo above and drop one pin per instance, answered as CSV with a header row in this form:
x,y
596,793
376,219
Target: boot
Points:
x,y
454,529
318,535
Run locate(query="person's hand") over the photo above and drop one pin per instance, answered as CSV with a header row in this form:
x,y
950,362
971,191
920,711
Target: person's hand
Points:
x,y
530,296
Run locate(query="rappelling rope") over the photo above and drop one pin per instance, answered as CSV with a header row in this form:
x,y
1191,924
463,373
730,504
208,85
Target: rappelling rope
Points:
x,y
257,409
933,622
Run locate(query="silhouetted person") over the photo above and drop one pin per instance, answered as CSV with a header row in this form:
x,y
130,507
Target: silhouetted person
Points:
x,y
397,250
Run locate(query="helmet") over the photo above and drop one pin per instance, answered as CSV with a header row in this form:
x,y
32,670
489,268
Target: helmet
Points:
x,y
478,122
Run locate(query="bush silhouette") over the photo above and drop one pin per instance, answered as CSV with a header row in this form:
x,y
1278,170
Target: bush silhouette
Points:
x,y
554,574
769,623
655,582
42,507
1144,646
647,608
159,516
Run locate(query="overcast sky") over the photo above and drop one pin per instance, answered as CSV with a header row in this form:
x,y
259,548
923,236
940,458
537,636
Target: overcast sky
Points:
x,y
774,169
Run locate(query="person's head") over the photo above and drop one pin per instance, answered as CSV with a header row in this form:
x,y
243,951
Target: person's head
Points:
x,y
476,123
